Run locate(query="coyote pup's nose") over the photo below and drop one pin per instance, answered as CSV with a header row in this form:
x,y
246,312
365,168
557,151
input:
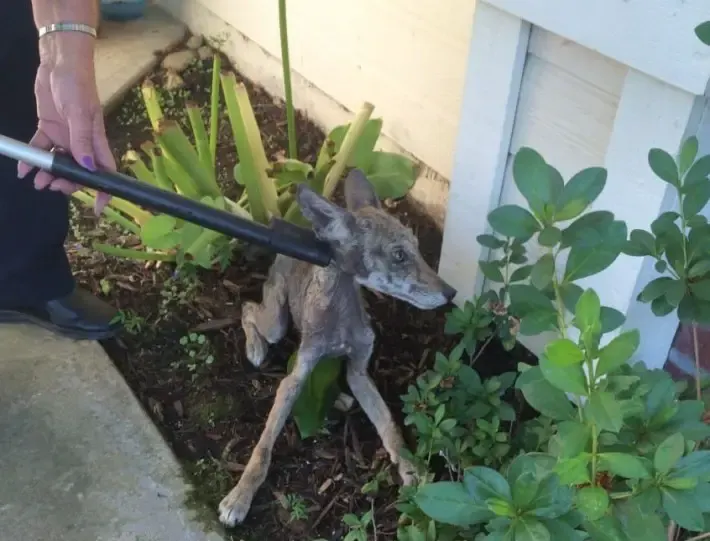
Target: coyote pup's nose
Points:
x,y
448,292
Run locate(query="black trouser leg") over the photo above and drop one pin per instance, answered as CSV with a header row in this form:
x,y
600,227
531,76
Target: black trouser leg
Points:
x,y
33,224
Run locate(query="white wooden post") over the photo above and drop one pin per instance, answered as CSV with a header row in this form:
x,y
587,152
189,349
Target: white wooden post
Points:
x,y
495,66
651,114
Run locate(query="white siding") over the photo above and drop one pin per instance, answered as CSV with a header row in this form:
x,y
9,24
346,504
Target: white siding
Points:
x,y
407,58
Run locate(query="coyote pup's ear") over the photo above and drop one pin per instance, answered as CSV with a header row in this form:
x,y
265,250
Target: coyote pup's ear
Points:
x,y
359,192
329,221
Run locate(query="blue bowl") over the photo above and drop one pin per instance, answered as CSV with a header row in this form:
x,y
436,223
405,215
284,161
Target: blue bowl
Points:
x,y
127,10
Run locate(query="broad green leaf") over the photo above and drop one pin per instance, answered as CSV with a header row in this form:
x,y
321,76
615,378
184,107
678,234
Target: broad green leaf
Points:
x,y
607,528
570,379
581,190
564,352
500,507
699,269
641,243
668,453
696,464
640,525
484,483
655,288
532,177
490,241
605,410
561,530
317,396
593,502
688,153
521,273
526,298
491,271
675,292
362,153
574,438
695,199
530,529
664,166
549,236
391,175
449,503
158,232
698,173
703,32
545,398
595,221
611,319
682,507
701,289
575,470
587,309
617,352
525,489
543,271
513,221
589,258
625,465
534,323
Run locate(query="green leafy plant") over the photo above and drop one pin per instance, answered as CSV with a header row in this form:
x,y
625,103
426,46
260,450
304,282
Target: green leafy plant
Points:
x,y
296,506
679,241
358,526
614,452
131,322
198,354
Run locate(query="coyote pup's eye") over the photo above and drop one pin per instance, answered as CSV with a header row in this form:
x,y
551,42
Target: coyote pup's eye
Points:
x,y
398,255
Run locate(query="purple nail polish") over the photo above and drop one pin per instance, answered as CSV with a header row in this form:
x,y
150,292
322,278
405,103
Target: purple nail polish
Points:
x,y
88,162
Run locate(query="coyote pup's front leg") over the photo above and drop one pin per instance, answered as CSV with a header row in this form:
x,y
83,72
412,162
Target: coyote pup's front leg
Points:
x,y
234,507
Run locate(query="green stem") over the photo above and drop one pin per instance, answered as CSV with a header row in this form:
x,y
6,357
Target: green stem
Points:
x,y
214,108
152,104
202,142
346,149
113,215
286,64
595,452
129,253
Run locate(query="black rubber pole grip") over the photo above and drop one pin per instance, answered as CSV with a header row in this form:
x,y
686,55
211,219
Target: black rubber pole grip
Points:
x,y
280,236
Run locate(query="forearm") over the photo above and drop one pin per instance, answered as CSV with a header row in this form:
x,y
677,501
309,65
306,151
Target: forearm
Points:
x,y
70,46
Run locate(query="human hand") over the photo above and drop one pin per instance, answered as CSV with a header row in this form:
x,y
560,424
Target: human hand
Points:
x,y
71,118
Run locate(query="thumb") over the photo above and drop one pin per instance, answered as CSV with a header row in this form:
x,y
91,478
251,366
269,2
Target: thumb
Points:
x,y
81,137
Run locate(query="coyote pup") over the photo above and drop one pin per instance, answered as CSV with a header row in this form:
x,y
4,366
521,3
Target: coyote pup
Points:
x,y
370,249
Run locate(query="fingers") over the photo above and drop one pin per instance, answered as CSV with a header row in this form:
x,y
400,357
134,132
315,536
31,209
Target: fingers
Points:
x,y
39,140
81,136
104,157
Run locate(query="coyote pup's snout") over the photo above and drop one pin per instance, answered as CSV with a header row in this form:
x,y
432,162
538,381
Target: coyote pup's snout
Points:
x,y
372,249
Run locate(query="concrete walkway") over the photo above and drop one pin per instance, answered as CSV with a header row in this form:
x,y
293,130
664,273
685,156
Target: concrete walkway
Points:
x,y
79,458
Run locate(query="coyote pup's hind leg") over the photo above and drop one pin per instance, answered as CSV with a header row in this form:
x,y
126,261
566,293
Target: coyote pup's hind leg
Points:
x,y
266,323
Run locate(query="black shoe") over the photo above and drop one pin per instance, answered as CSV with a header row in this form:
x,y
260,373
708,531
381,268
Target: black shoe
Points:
x,y
80,316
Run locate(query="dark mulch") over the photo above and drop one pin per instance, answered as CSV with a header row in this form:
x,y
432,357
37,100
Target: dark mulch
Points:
x,y
225,405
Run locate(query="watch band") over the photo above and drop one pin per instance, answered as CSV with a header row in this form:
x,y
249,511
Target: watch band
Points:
x,y
67,27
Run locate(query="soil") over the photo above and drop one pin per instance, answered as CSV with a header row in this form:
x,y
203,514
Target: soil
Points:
x,y
213,415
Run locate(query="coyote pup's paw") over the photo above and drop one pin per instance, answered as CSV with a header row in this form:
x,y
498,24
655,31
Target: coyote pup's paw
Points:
x,y
234,507
407,472
256,346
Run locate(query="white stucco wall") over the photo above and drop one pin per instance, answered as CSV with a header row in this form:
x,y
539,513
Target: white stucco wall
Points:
x,y
406,58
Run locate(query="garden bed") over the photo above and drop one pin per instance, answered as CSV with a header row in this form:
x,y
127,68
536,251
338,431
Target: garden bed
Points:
x,y
212,407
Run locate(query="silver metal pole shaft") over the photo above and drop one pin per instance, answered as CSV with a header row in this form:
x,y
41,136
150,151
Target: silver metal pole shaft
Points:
x,y
25,153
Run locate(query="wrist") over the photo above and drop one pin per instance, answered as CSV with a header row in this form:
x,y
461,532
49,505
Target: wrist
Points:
x,y
67,47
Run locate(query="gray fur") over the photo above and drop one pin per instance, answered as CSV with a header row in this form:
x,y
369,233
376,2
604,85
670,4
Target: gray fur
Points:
x,y
371,249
